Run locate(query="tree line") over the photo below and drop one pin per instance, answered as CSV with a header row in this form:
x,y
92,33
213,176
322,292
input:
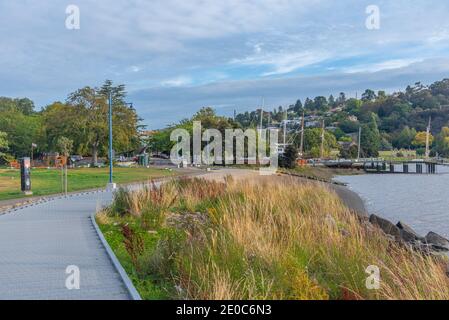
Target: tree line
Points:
x,y
80,123
388,121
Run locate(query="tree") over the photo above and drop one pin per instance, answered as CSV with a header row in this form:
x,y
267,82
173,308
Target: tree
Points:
x,y
331,100
298,107
25,105
159,142
442,142
320,104
22,130
65,146
309,105
353,106
312,142
420,139
3,145
288,159
349,153
341,98
370,139
368,95
405,138
381,95
91,108
60,119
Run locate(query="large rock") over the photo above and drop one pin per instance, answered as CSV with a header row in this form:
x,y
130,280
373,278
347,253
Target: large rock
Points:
x,y
407,233
438,242
386,226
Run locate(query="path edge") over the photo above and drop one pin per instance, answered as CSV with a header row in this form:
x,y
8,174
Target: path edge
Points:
x,y
117,265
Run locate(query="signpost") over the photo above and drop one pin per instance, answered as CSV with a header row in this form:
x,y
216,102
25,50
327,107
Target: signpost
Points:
x,y
25,176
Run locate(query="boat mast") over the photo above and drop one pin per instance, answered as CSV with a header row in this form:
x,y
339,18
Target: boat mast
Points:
x,y
428,139
301,146
359,143
285,129
322,141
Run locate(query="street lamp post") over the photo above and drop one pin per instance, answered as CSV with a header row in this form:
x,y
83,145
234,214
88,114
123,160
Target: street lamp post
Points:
x,y
111,184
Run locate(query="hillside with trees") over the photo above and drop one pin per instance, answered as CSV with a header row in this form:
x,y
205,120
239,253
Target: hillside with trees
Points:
x,y
388,121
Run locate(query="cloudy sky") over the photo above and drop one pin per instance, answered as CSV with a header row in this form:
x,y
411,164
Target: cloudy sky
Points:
x,y
176,56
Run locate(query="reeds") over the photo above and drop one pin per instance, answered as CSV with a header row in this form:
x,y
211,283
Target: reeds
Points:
x,y
277,238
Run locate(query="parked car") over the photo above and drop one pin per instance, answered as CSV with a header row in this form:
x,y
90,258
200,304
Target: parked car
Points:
x,y
76,158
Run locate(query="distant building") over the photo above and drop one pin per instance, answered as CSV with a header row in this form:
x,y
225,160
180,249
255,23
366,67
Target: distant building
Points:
x,y
313,124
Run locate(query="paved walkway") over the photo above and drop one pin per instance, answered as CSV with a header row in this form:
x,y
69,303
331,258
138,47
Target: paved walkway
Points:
x,y
39,242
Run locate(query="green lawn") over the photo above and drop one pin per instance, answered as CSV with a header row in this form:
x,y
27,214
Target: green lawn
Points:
x,y
48,181
398,155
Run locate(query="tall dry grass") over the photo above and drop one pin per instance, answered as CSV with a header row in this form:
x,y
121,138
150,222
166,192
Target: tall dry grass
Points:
x,y
277,238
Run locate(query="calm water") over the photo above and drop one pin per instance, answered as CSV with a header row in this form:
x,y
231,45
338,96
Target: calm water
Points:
x,y
421,201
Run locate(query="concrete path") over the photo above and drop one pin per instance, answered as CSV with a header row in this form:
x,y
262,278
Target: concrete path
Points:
x,y
39,242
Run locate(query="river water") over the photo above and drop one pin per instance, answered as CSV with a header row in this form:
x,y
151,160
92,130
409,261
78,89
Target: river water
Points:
x,y
421,201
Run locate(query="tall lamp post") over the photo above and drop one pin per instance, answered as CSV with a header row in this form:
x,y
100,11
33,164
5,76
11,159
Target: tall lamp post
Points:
x,y
111,184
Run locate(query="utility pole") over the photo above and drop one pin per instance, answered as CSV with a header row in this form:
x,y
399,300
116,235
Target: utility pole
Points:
x,y
285,133
301,145
261,117
359,144
322,141
285,129
428,139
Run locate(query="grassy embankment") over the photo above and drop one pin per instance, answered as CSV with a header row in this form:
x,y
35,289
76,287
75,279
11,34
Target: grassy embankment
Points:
x,y
268,239
320,173
45,182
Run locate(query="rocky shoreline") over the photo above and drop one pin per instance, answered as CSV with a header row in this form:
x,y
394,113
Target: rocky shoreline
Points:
x,y
432,243
400,232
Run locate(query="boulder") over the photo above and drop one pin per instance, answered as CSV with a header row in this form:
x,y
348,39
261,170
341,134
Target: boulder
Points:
x,y
386,226
407,233
438,242
422,247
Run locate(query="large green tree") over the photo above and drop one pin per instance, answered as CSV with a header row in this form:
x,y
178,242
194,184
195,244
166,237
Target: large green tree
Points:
x,y
442,142
312,142
91,109
405,138
371,138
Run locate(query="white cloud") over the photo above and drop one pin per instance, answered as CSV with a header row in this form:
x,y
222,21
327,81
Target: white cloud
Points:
x,y
283,62
177,82
381,66
134,69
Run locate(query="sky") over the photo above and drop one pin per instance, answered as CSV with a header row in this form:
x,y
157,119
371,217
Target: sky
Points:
x,y
176,56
